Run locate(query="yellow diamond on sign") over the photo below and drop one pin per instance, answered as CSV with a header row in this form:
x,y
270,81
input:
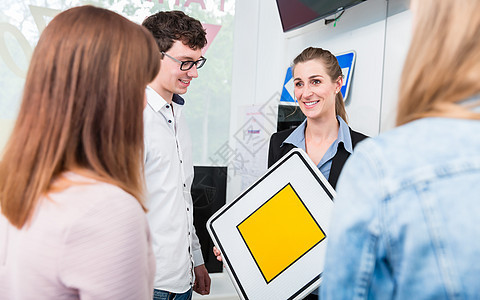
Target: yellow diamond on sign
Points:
x,y
280,232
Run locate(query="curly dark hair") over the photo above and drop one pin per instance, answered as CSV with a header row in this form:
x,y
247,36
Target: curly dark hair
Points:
x,y
170,26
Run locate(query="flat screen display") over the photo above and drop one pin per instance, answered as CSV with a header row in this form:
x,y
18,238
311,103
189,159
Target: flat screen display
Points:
x,y
297,13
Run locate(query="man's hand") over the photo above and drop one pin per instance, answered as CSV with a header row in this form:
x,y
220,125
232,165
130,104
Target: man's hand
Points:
x,y
202,280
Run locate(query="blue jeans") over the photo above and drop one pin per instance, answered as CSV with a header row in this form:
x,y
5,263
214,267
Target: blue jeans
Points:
x,y
164,295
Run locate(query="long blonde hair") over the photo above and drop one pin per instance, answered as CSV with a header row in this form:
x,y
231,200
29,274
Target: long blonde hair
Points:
x,y
82,108
443,64
332,67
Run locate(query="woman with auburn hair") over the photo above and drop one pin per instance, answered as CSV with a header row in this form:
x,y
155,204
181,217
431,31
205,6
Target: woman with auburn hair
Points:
x,y
324,134
72,222
405,219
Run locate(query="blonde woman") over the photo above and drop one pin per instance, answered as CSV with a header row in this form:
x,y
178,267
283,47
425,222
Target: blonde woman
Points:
x,y
406,212
72,222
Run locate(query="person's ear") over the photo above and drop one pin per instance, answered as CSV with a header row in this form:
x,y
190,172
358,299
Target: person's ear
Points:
x,y
339,84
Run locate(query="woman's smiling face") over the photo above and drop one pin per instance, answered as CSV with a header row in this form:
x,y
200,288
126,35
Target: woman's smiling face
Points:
x,y
314,89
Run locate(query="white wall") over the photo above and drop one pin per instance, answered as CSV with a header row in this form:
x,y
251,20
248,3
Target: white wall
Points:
x,y
396,47
378,30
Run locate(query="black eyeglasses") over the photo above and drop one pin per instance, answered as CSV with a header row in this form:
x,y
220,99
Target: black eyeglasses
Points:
x,y
188,64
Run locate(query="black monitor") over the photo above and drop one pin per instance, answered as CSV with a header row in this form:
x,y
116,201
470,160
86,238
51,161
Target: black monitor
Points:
x,y
289,116
209,191
297,13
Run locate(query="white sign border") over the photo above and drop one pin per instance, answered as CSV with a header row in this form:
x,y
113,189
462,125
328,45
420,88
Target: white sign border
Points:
x,y
323,183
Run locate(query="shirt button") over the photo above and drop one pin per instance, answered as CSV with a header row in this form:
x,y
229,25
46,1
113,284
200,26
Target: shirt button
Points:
x,y
184,185
181,161
169,121
167,106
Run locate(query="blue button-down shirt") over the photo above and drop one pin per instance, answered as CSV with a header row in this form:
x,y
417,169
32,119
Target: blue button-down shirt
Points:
x,y
297,138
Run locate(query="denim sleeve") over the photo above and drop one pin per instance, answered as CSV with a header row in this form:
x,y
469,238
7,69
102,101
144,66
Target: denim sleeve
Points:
x,y
353,241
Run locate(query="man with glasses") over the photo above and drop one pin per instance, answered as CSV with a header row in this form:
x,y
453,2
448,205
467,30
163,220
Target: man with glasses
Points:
x,y
168,158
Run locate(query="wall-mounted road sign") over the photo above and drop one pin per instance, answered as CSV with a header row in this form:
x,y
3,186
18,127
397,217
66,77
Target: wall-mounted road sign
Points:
x,y
346,61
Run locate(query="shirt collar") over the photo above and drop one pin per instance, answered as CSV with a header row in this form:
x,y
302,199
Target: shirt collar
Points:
x,y
157,102
297,137
177,99
344,135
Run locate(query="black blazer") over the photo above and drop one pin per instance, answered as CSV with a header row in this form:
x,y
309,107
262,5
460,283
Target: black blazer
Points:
x,y
275,152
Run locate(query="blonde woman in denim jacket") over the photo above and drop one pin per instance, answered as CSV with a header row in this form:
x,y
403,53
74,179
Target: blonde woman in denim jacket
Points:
x,y
408,202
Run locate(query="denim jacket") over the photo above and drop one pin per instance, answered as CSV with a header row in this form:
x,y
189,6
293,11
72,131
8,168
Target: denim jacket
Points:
x,y
404,224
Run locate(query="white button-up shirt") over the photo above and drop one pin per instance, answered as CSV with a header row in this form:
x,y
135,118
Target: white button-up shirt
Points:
x,y
169,177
